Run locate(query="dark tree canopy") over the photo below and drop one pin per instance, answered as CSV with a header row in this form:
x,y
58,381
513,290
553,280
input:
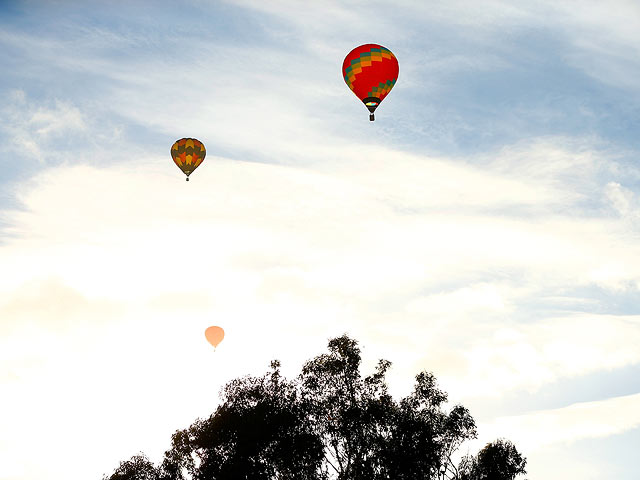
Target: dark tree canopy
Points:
x,y
259,432
328,423
498,460
137,468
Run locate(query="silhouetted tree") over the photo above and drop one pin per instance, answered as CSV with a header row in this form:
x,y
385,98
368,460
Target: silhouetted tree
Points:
x,y
259,432
367,435
328,423
137,468
499,460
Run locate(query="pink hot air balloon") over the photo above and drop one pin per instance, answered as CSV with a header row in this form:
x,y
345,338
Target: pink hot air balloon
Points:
x,y
214,335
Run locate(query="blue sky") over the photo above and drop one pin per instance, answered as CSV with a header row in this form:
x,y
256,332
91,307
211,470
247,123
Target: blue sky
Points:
x,y
484,227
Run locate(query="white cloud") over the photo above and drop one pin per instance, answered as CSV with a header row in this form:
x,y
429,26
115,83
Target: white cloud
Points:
x,y
463,301
623,200
433,279
57,120
528,356
575,422
30,127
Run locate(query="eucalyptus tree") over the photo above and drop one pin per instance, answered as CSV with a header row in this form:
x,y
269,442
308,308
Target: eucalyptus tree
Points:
x,y
328,423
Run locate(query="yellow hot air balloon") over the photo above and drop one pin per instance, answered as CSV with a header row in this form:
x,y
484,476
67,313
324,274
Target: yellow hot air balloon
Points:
x,y
214,335
188,154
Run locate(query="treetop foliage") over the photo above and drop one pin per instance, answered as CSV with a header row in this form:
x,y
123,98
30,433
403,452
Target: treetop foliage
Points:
x,y
328,423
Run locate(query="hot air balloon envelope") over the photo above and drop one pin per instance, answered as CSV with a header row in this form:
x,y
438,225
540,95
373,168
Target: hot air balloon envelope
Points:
x,y
370,71
214,335
188,154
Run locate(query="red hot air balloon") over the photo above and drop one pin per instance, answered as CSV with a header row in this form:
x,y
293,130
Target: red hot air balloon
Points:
x,y
371,72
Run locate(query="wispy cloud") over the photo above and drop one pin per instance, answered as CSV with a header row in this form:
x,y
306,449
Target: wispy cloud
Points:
x,y
529,356
29,127
569,424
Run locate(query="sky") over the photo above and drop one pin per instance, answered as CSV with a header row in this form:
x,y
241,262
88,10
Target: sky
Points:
x,y
484,228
